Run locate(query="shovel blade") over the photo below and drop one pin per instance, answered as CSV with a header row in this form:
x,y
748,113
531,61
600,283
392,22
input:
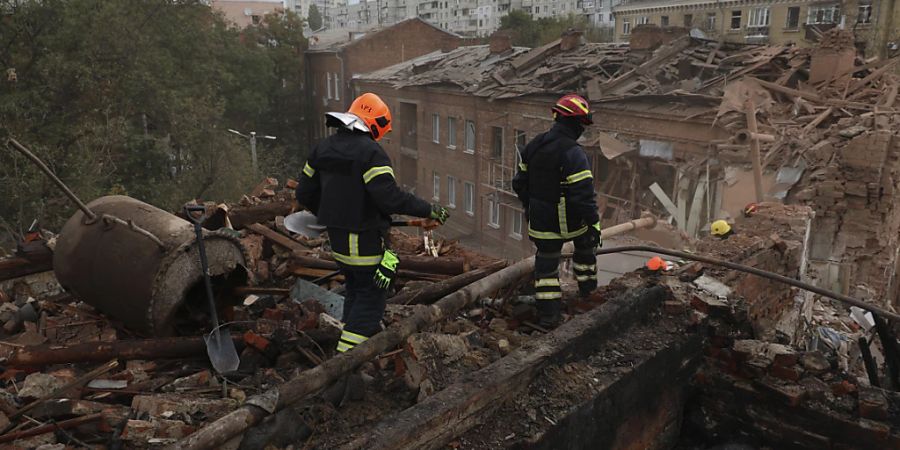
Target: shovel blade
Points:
x,y
221,351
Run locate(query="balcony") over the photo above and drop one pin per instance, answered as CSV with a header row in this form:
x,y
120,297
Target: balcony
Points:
x,y
500,177
757,34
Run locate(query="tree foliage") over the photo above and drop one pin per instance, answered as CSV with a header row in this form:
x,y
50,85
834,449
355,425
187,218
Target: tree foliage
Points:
x,y
528,32
135,97
314,17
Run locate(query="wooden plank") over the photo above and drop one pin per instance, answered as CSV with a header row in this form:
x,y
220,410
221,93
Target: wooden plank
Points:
x,y
451,412
754,149
819,119
693,221
665,200
277,237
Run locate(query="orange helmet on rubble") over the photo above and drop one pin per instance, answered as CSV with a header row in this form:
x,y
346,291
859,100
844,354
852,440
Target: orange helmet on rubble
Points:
x,y
374,112
573,105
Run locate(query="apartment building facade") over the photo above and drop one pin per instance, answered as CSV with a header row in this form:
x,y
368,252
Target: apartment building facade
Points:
x,y
247,12
332,67
749,21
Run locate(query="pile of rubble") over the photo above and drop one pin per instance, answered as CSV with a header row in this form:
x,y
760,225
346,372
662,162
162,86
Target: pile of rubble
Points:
x,y
153,391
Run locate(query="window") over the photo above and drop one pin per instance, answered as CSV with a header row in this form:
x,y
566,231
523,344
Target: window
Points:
x,y
470,136
451,132
643,20
520,140
436,194
793,18
865,14
337,87
328,84
515,224
759,17
711,21
823,14
736,19
451,192
497,143
436,128
664,21
494,218
626,26
469,200
688,20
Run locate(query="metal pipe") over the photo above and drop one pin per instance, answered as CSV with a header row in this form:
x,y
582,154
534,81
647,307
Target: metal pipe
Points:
x,y
752,270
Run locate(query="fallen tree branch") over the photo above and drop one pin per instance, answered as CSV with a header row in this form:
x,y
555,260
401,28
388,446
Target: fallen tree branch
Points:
x,y
67,387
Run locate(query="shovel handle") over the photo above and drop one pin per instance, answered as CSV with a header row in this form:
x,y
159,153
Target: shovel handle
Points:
x,y
427,224
190,209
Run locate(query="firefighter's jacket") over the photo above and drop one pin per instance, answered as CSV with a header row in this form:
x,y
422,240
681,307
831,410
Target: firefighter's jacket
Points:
x,y
555,184
348,183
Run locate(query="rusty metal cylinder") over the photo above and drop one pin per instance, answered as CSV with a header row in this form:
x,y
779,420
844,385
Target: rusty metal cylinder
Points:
x,y
129,276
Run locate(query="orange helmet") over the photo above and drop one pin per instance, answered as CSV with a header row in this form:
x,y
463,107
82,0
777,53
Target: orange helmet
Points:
x,y
656,263
374,112
573,105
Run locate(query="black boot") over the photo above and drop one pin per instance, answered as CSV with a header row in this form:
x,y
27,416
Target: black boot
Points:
x,y
549,313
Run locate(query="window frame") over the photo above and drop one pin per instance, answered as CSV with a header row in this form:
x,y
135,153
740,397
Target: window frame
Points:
x,y
864,10
451,132
515,223
451,191
813,10
493,212
436,186
436,128
753,19
495,146
739,15
626,27
787,19
711,21
663,21
469,198
470,124
328,84
337,86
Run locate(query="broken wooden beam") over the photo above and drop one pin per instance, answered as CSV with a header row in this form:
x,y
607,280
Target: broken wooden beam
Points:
x,y
435,291
310,381
449,413
243,216
50,427
44,355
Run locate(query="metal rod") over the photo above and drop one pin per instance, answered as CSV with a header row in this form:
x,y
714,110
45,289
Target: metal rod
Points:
x,y
37,161
762,273
871,367
92,217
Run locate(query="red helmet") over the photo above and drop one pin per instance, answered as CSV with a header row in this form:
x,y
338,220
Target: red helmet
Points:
x,y
573,105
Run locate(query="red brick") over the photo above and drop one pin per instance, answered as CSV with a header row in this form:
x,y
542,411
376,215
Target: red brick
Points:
x,y
790,373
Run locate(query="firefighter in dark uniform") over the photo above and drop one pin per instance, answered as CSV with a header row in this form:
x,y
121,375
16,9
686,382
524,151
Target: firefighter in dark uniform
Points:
x,y
555,184
348,183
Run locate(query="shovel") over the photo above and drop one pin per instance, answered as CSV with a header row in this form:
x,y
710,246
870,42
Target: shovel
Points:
x,y
219,346
305,224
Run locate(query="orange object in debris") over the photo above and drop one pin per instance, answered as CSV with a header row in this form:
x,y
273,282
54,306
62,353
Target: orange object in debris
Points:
x,y
750,209
656,263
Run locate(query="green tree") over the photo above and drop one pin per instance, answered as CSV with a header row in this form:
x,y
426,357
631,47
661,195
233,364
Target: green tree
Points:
x,y
135,97
524,28
528,32
314,18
